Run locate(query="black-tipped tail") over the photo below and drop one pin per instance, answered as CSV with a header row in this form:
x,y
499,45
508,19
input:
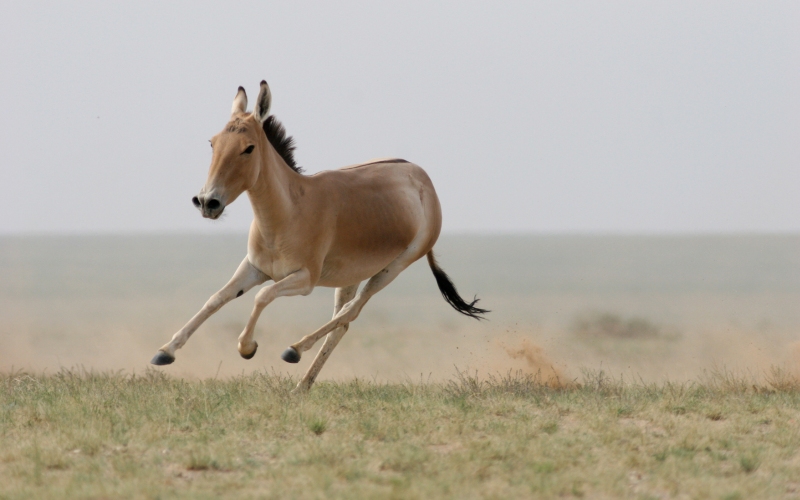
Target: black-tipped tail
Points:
x,y
450,294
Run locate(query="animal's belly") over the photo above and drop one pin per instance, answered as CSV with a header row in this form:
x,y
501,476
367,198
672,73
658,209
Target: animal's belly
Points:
x,y
339,271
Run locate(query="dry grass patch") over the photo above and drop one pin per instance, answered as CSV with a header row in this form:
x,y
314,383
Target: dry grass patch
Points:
x,y
79,435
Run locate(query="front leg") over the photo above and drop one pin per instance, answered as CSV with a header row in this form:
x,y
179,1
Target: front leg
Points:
x,y
245,278
297,283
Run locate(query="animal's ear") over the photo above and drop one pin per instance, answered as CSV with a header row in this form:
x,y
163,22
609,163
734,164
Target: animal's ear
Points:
x,y
263,102
239,102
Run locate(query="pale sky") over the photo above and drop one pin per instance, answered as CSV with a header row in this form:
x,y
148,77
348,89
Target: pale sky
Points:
x,y
656,117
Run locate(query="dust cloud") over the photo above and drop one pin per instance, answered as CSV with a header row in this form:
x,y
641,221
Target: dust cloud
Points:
x,y
538,364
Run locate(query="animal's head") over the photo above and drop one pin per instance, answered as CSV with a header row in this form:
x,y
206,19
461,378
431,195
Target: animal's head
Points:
x,y
236,157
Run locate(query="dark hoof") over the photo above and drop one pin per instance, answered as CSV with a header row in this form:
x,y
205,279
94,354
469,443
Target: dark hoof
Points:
x,y
250,356
290,355
162,358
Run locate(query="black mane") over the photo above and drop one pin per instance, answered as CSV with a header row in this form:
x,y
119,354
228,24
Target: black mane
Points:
x,y
283,144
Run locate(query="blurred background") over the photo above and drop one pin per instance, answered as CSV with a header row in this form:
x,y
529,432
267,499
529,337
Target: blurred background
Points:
x,y
618,179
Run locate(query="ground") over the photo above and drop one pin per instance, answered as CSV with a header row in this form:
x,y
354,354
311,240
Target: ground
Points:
x,y
83,435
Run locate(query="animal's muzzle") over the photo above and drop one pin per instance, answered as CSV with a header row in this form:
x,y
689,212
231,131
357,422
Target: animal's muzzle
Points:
x,y
209,207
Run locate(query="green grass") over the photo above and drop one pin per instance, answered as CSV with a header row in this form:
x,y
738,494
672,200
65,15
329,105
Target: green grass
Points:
x,y
83,435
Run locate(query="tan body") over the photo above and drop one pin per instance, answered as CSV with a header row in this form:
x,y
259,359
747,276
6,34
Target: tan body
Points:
x,y
347,225
335,229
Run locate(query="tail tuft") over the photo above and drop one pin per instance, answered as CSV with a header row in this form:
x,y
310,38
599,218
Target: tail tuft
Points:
x,y
450,293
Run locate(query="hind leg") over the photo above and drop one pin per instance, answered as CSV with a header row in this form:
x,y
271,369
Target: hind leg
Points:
x,y
352,309
343,296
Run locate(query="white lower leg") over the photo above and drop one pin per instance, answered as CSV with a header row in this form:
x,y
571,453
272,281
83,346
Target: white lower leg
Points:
x,y
246,344
345,317
245,278
179,339
331,341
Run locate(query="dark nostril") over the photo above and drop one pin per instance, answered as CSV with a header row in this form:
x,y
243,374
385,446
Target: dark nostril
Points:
x,y
196,201
212,204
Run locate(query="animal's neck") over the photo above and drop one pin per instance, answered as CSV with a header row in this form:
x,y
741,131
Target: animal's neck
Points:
x,y
271,195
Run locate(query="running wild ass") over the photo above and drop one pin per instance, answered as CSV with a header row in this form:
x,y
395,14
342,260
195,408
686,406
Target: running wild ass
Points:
x,y
334,229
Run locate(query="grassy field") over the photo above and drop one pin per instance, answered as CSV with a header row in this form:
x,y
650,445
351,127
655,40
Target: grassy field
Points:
x,y
82,435
652,309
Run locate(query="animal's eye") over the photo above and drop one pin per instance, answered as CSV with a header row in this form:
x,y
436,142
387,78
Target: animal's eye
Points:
x,y
248,150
